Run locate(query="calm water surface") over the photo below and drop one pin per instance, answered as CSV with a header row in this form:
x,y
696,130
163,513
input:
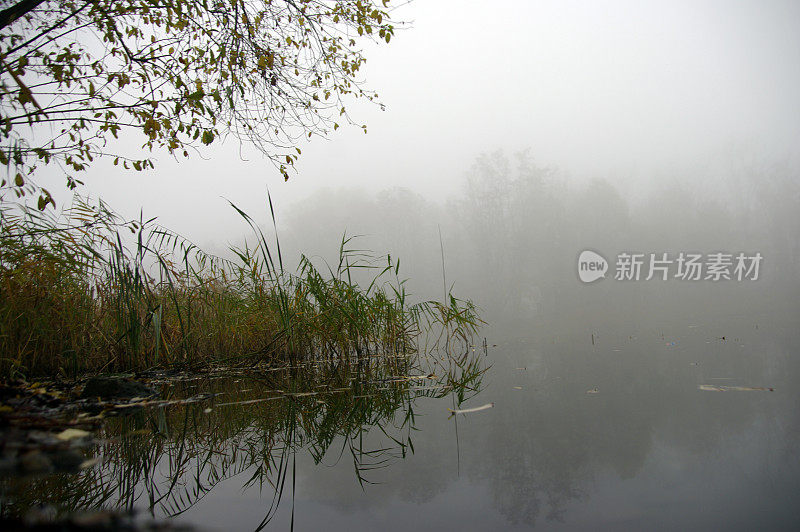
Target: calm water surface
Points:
x,y
613,434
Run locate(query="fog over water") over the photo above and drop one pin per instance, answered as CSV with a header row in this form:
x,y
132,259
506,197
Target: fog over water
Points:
x,y
516,135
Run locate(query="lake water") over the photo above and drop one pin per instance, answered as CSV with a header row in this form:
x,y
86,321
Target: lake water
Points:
x,y
668,425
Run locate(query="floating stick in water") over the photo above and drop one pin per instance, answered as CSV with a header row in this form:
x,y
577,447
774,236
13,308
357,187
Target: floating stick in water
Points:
x,y
470,410
716,388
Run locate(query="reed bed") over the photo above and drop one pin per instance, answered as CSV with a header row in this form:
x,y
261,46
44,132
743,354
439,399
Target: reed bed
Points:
x,y
85,291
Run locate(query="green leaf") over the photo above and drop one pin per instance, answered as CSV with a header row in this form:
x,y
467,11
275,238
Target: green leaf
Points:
x,y
43,201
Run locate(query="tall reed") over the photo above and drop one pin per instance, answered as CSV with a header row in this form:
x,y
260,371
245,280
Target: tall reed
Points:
x,y
87,291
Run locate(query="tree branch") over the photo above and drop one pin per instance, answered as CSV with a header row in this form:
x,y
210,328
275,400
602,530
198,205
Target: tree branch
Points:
x,y
20,9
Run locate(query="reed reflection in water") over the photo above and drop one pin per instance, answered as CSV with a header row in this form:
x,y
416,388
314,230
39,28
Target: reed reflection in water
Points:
x,y
165,459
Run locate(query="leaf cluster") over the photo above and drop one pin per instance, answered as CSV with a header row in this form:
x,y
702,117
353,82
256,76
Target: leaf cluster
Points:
x,y
76,75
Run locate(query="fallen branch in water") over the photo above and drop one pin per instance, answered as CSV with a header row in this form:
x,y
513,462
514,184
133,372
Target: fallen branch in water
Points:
x,y
470,410
716,388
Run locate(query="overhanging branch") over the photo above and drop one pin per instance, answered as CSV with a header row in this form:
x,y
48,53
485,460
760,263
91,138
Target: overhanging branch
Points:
x,y
20,9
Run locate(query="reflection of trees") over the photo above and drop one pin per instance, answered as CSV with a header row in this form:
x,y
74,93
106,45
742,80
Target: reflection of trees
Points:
x,y
166,459
539,451
556,439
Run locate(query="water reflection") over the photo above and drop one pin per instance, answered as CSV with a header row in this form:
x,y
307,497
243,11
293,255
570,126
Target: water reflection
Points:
x,y
367,447
166,459
649,450
648,423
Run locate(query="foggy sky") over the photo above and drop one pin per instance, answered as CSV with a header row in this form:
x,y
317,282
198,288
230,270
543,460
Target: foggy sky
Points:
x,y
631,92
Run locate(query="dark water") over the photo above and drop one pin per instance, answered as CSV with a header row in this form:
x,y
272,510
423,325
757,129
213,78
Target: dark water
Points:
x,y
645,449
